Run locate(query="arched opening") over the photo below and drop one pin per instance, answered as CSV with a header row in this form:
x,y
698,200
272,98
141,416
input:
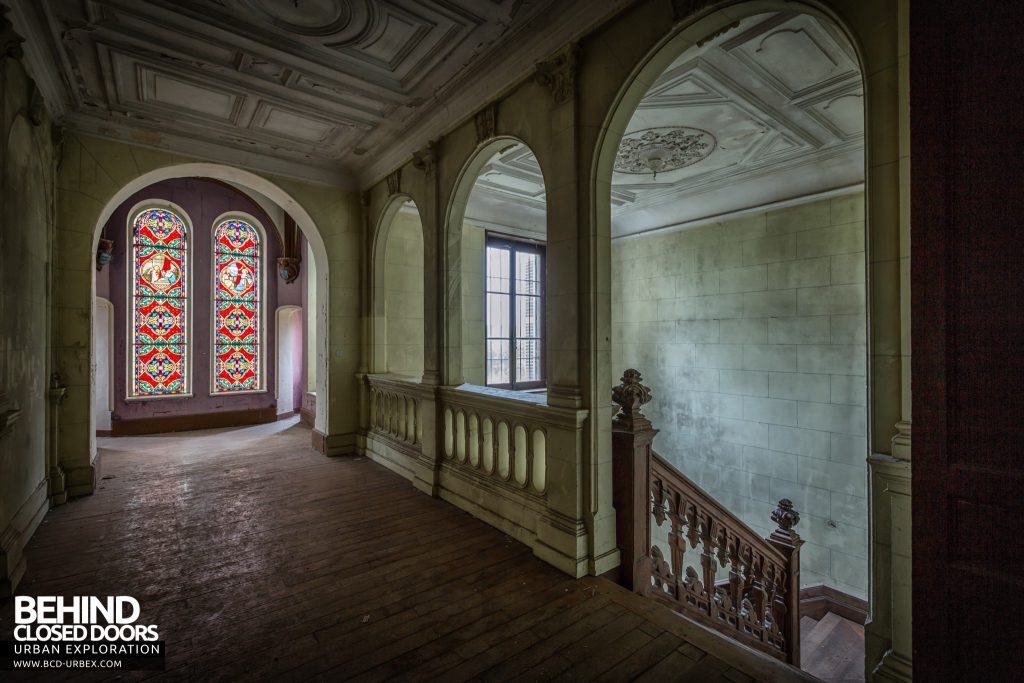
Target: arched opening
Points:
x,y
278,220
290,359
735,208
496,255
398,262
103,342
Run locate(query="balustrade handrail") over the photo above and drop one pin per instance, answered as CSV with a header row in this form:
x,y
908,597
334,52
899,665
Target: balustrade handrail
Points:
x,y
759,603
664,470
395,405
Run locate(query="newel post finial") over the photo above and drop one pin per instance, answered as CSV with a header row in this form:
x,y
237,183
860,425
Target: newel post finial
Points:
x,y
786,516
631,395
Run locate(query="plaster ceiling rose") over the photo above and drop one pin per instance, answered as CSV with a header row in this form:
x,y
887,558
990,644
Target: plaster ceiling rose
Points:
x,y
659,150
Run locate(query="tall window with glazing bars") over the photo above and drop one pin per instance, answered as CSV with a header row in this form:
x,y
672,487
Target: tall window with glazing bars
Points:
x,y
514,313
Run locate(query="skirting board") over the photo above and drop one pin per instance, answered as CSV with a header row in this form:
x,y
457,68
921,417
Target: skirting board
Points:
x,y
817,601
15,538
183,423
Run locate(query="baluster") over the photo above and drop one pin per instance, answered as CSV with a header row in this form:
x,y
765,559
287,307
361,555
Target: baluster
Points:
x,y
735,576
414,418
757,595
707,563
677,541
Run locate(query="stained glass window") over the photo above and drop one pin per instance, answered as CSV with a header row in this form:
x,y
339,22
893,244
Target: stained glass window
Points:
x,y
236,300
159,340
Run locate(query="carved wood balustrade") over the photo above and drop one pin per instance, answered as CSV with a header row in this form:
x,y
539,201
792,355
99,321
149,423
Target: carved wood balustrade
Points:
x,y
758,603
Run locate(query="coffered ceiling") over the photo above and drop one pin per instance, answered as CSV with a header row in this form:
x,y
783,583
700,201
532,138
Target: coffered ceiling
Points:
x,y
311,88
769,111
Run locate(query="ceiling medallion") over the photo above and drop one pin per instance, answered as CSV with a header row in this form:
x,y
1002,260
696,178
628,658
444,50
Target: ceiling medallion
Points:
x,y
658,150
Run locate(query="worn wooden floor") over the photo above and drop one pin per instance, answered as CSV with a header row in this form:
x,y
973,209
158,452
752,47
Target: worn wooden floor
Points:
x,y
261,559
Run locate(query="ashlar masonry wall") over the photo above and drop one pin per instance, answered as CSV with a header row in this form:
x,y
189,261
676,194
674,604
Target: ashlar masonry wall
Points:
x,y
403,267
751,334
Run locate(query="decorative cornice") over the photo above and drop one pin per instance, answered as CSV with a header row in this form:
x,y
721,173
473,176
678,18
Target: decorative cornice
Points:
x,y
395,182
558,74
426,159
486,122
720,32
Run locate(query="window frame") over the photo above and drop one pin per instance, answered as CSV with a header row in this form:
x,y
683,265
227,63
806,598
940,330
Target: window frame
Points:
x,y
130,311
518,245
261,288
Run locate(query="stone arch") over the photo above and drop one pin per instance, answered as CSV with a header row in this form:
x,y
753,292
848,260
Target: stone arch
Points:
x,y
453,371
258,184
870,28
378,282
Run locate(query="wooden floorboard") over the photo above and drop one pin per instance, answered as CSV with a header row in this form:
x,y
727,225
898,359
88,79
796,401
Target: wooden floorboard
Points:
x,y
260,559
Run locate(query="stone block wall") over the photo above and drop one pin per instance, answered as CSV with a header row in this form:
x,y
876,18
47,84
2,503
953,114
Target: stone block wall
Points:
x,y
26,259
751,334
403,297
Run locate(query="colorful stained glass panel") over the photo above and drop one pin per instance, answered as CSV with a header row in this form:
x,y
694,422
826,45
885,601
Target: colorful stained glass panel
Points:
x,y
159,300
236,367
237,287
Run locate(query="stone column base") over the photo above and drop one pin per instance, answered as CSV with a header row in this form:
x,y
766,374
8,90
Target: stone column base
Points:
x,y
57,486
893,667
16,536
334,444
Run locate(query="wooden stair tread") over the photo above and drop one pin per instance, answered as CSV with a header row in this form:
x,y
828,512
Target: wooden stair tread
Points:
x,y
833,648
806,624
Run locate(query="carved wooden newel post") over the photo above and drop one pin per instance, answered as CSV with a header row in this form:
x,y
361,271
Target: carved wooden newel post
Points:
x,y
632,435
788,543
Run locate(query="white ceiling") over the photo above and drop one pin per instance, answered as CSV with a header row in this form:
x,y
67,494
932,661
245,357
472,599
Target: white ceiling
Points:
x,y
320,89
774,105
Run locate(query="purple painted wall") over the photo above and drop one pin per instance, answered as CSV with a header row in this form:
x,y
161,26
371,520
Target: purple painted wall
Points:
x,y
204,201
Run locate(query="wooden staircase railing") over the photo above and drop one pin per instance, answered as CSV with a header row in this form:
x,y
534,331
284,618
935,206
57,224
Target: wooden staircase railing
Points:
x,y
759,603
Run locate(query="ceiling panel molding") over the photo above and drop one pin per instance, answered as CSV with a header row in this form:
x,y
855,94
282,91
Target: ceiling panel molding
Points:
x,y
771,139
349,73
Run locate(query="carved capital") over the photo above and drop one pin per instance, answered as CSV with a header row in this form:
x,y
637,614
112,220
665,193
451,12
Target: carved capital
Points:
x,y
558,74
10,41
486,122
683,9
395,181
288,268
630,395
104,253
426,160
901,442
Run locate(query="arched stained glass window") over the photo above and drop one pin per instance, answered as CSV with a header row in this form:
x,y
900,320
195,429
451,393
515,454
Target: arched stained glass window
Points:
x,y
159,291
237,284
